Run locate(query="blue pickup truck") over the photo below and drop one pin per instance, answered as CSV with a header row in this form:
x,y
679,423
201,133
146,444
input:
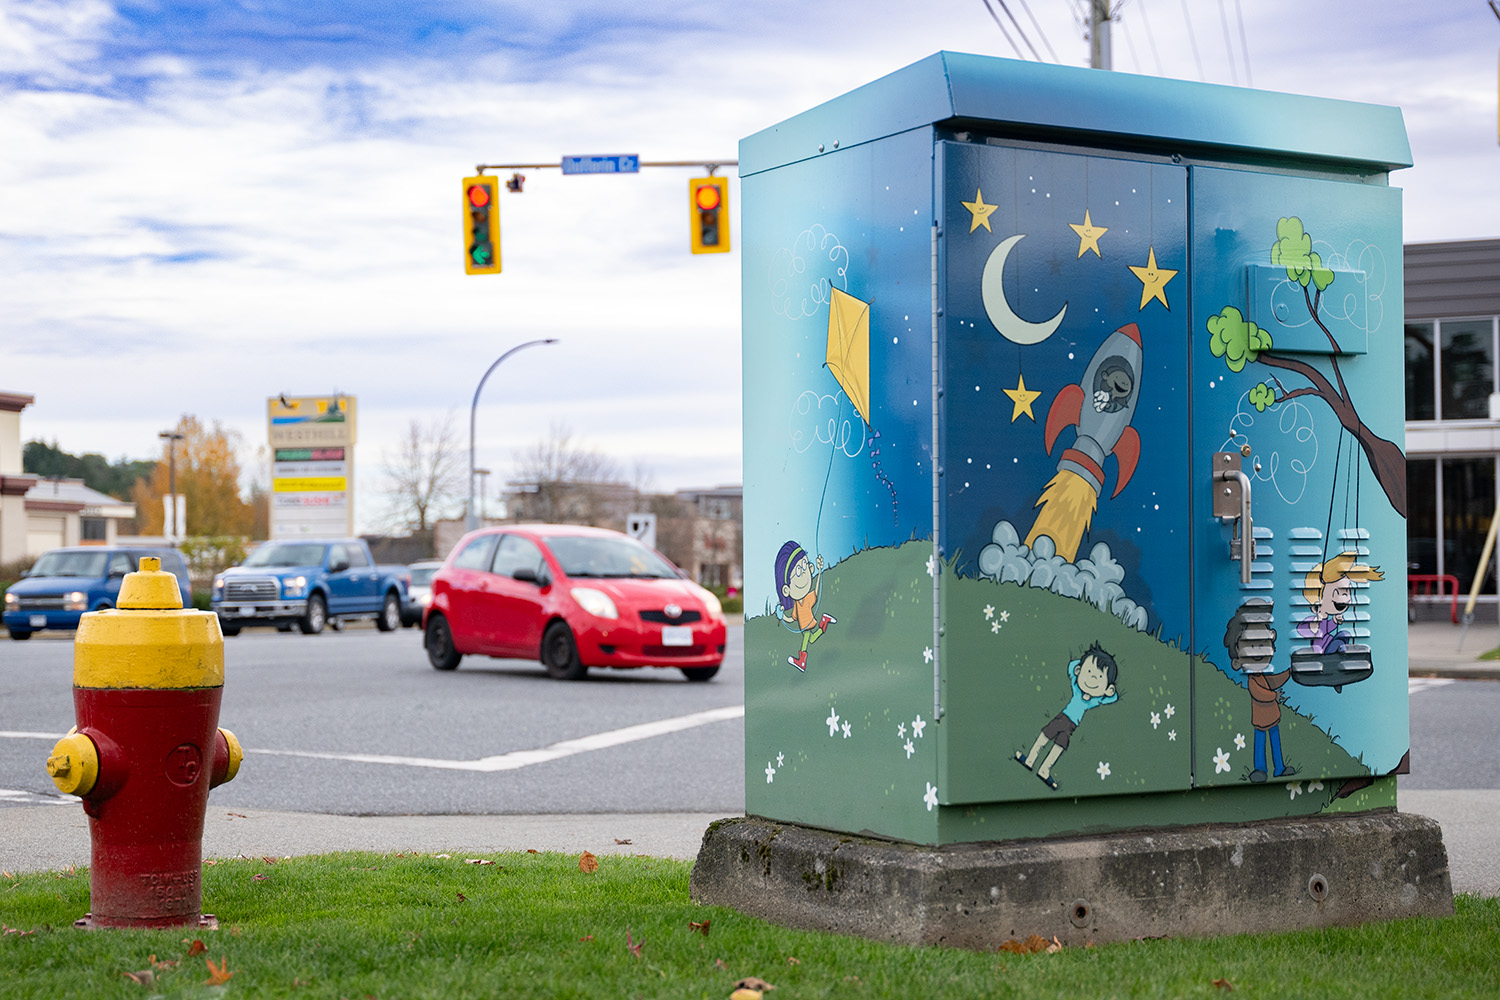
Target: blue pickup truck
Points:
x,y
309,584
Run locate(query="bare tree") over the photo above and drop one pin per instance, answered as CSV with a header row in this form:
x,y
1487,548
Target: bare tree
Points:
x,y
425,475
558,479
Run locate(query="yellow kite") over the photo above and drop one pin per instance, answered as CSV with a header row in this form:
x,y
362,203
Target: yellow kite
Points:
x,y
849,348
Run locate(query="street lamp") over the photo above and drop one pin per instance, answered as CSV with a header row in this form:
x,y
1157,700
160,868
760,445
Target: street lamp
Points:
x,y
172,437
484,475
471,521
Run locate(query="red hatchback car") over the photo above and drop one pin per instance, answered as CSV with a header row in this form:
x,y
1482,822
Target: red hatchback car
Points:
x,y
575,598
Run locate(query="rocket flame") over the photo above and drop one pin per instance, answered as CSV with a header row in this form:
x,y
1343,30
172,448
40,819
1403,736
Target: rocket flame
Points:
x,y
1067,508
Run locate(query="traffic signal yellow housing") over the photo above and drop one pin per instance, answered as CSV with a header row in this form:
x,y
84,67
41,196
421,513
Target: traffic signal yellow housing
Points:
x,y
708,214
481,225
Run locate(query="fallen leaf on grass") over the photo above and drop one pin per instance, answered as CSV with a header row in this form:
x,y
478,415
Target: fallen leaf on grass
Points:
x,y
633,945
260,877
17,931
532,850
462,898
196,948
587,863
619,841
753,983
269,861
1055,947
442,855
477,861
1031,945
1224,984
219,974
793,960
694,925
587,937
721,963
146,977
237,815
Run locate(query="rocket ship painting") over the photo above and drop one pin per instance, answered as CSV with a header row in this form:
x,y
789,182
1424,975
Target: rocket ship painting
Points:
x,y
1100,408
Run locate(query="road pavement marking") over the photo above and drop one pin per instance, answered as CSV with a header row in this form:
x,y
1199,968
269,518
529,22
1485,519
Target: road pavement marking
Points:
x,y
1415,684
525,758
16,796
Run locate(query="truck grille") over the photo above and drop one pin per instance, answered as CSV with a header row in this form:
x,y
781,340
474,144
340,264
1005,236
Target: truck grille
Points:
x,y
40,604
253,589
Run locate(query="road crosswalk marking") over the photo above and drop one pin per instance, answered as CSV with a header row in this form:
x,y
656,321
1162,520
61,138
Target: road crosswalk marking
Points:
x,y
1415,684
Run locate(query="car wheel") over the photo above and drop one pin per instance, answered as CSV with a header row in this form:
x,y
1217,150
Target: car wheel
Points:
x,y
230,629
19,635
560,654
317,615
390,614
439,642
698,673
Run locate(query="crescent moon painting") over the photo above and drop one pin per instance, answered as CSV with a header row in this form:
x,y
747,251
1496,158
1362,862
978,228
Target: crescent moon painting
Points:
x,y
1011,326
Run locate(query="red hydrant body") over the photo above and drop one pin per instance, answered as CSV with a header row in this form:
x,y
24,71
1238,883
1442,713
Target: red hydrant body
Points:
x,y
147,683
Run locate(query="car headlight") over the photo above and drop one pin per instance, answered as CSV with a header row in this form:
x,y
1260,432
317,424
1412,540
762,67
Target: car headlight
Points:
x,y
595,602
75,600
712,602
11,600
294,586
218,583
425,599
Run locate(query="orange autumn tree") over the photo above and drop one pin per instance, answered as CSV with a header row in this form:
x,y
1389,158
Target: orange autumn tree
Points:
x,y
208,477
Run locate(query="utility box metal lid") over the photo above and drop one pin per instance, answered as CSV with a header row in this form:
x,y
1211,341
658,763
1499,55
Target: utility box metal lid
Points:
x,y
1081,106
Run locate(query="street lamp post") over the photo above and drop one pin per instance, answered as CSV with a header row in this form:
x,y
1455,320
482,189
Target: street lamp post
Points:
x,y
172,437
484,475
471,520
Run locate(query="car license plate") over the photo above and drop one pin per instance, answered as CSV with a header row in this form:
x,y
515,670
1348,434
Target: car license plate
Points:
x,y
676,635
40,621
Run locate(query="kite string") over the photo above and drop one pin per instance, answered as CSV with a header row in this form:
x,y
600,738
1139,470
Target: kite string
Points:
x,y
832,447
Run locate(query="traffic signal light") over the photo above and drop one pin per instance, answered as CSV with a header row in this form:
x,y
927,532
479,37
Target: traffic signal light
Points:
x,y
481,225
708,213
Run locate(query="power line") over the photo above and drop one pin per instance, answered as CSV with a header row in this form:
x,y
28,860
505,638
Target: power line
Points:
x,y
1245,46
1019,30
1040,33
1130,44
1151,38
1001,25
1193,38
1234,75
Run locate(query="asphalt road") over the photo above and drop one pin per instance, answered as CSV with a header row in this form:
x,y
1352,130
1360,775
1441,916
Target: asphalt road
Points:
x,y
484,739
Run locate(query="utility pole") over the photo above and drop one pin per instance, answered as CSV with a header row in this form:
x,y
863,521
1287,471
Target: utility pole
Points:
x,y
172,437
1099,54
484,475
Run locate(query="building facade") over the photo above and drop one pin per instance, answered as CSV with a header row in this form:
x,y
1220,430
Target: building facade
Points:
x,y
1452,292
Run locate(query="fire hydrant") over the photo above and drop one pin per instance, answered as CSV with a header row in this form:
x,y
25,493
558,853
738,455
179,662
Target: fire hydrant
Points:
x,y
148,677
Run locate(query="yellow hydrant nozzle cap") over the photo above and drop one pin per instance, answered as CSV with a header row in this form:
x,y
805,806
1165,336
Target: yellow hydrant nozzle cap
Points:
x,y
150,589
74,764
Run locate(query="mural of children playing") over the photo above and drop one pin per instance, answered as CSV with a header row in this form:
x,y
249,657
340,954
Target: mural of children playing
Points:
x,y
1092,677
799,598
1250,641
1329,588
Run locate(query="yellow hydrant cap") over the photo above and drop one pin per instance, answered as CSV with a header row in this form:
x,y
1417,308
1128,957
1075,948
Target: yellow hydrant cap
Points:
x,y
74,764
150,589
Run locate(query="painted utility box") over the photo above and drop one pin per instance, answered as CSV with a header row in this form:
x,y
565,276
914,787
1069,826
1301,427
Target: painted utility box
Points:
x,y
1075,489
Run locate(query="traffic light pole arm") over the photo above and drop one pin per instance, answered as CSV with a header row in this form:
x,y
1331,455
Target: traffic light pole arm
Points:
x,y
709,165
471,521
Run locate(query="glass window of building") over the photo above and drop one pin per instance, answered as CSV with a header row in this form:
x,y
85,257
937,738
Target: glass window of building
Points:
x,y
1421,380
1422,516
1468,499
1467,356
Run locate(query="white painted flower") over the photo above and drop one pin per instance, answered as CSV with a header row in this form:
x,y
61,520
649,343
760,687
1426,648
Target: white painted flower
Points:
x,y
994,626
848,731
1005,616
833,722
1314,786
1171,734
917,725
1103,770
927,655
1170,711
1221,761
931,797
1239,741
900,730
1155,719
770,772
932,565
1295,787
780,759
989,611
910,748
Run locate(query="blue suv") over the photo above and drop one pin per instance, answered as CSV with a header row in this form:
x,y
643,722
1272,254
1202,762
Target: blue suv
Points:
x,y
64,583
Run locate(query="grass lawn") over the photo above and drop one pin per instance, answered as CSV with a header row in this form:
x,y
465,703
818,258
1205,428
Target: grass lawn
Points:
x,y
534,925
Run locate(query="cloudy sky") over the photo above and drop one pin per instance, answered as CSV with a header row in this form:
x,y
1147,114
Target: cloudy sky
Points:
x,y
206,203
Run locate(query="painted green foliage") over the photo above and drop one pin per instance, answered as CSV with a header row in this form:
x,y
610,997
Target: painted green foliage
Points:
x,y
1293,251
1236,339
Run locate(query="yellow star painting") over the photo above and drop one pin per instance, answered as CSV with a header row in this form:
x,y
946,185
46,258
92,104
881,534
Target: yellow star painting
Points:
x,y
1088,234
1023,398
1153,280
979,210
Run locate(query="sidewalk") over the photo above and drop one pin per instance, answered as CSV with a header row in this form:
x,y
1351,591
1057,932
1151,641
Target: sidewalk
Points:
x,y
1433,650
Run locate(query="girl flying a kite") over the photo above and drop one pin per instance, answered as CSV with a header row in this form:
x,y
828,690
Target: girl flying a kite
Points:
x,y
798,583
